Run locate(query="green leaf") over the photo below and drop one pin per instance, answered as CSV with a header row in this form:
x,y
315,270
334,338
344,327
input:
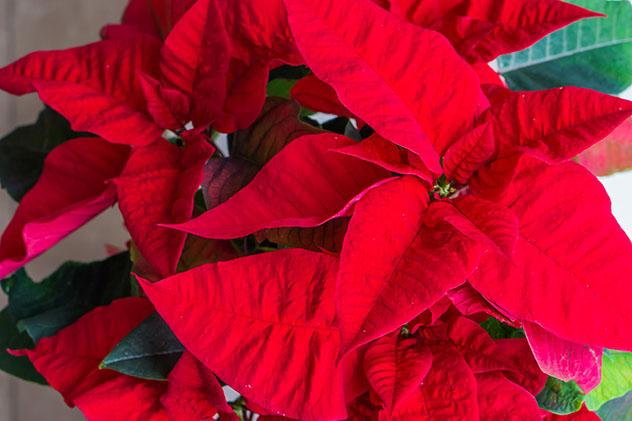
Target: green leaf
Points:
x,y
593,53
42,309
560,397
616,378
23,151
280,88
500,330
11,338
617,409
150,351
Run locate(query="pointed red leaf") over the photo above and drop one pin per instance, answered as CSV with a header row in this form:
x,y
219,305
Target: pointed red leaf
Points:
x,y
558,278
157,187
470,302
194,393
448,392
195,59
347,44
395,367
96,80
501,399
159,108
387,155
70,360
482,220
485,29
316,95
307,182
612,154
391,272
280,349
469,153
71,190
563,359
555,124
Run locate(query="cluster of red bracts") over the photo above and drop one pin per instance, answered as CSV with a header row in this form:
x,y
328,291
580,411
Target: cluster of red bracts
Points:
x,y
462,204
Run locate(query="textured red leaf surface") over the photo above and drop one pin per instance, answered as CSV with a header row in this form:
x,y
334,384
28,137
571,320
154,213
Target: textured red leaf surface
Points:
x,y
349,45
307,182
71,190
555,124
279,348
501,399
389,156
563,359
485,29
612,154
566,234
396,367
157,186
469,153
194,393
483,221
447,392
391,272
96,79
316,95
195,60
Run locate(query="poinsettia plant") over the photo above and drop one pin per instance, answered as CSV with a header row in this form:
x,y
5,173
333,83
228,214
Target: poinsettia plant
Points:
x,y
337,208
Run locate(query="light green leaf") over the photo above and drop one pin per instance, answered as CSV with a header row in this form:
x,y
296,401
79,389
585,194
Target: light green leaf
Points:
x,y
149,352
616,379
560,397
593,53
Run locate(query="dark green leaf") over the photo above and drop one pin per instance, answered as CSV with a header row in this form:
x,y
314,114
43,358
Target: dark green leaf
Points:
x,y
41,309
288,72
280,88
616,378
500,330
11,338
150,351
593,53
560,397
23,151
617,409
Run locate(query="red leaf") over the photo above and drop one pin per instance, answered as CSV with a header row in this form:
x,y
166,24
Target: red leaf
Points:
x,y
501,399
566,234
194,393
389,156
481,220
88,110
280,349
563,359
555,124
316,95
468,154
327,186
96,79
470,302
612,154
71,190
347,44
157,187
223,177
395,367
485,29
195,59
70,360
448,392
391,272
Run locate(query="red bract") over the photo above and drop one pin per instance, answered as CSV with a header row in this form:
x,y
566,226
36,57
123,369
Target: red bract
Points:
x,y
355,261
70,363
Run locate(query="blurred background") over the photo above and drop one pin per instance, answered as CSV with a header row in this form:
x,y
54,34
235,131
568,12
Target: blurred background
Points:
x,y
29,25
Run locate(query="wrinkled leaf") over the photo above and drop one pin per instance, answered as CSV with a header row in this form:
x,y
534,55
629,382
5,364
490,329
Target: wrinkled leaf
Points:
x,y
560,397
